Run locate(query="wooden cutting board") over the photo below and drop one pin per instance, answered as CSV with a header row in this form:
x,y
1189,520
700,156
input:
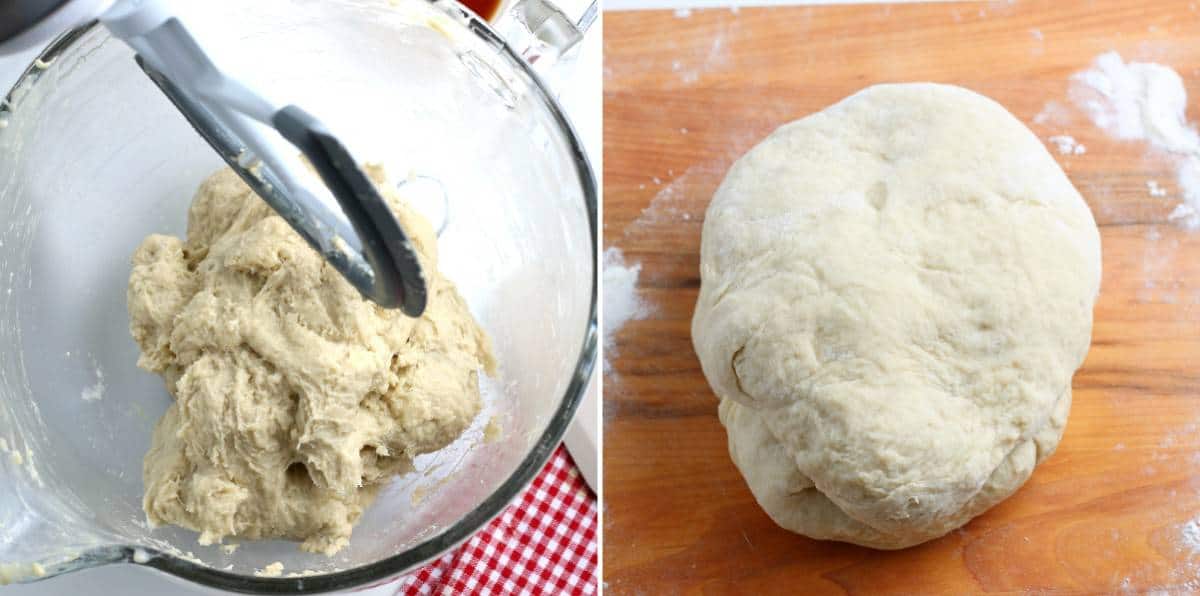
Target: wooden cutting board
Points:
x,y
684,95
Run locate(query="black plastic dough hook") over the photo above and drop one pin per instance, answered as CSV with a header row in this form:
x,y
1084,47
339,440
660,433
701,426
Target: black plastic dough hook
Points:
x,y
373,253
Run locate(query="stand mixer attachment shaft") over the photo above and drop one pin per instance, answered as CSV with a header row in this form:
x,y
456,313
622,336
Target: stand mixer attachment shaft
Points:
x,y
261,140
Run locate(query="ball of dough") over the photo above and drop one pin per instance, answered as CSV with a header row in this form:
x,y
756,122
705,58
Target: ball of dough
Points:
x,y
895,293
295,398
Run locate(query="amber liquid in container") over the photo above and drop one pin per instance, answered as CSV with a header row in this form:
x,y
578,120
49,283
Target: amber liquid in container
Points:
x,y
486,9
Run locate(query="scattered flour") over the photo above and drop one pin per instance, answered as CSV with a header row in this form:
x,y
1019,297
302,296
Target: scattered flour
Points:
x,y
1154,189
1190,535
1136,101
1036,34
621,301
669,208
1067,145
670,204
1147,102
691,66
1185,214
683,13
95,392
1053,113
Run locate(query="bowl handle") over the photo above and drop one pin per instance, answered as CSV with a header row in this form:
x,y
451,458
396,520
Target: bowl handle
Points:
x,y
543,32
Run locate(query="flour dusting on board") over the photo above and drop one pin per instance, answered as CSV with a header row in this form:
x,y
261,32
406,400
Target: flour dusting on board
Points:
x,y
1136,101
669,205
1053,113
1145,101
621,301
669,209
1067,145
1153,188
1190,535
691,68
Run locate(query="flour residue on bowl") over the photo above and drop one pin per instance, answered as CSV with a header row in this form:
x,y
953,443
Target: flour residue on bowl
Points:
x,y
422,492
11,573
1144,101
95,391
14,454
492,430
273,570
21,459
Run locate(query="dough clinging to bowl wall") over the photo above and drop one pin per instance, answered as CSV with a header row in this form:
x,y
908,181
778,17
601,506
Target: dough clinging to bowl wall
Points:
x,y
895,293
295,398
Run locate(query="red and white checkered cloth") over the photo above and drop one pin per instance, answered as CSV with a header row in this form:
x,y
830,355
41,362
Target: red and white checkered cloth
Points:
x,y
543,543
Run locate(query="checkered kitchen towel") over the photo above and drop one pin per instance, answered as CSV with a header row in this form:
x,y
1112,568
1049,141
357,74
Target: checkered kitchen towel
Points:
x,y
543,543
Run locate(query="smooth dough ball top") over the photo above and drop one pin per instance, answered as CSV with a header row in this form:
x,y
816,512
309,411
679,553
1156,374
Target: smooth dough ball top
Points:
x,y
295,398
895,293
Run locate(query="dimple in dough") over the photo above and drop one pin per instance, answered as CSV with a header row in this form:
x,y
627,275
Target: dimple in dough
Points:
x,y
295,398
895,293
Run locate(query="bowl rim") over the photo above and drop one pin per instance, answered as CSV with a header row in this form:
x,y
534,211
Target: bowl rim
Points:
x,y
384,570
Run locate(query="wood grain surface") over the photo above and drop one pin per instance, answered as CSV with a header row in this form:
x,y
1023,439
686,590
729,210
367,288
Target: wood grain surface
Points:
x,y
683,97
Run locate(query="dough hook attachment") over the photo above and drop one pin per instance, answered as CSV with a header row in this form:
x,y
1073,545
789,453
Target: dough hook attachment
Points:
x,y
259,140
365,242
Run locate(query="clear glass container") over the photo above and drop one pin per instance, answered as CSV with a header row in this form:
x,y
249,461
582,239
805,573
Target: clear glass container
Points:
x,y
93,158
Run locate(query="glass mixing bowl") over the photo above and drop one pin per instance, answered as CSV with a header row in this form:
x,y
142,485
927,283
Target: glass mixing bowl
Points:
x,y
93,158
